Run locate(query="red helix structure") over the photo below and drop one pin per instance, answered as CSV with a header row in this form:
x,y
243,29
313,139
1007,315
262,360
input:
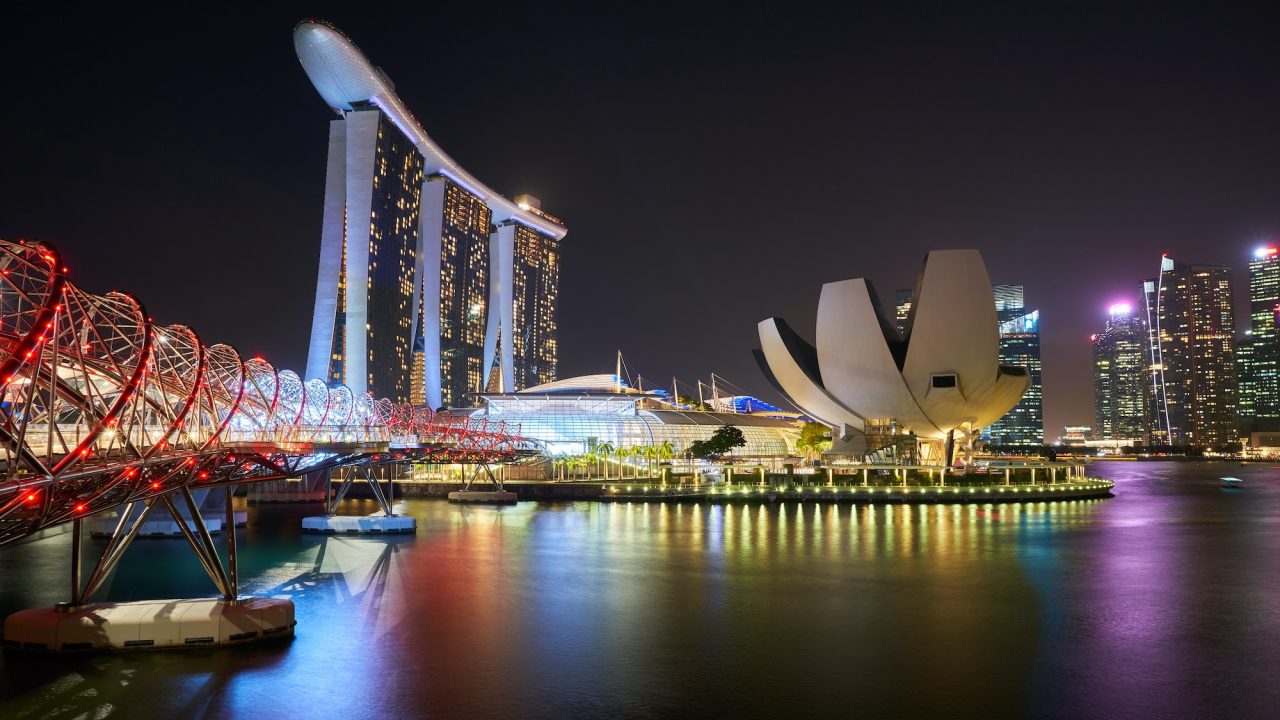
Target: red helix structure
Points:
x,y
99,407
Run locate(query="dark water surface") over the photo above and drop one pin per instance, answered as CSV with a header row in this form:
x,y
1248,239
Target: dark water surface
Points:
x,y
1161,602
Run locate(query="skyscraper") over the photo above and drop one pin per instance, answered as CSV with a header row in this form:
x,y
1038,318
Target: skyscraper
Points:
x,y
368,251
1258,353
1020,346
902,309
1191,366
429,281
1118,374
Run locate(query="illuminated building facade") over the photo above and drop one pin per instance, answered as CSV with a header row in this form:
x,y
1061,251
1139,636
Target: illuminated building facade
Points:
x,y
536,283
368,253
455,295
1191,390
902,310
1258,354
1119,369
1019,330
451,284
577,415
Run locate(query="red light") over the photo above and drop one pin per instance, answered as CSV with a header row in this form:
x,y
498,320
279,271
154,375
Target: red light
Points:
x,y
80,507
31,497
155,486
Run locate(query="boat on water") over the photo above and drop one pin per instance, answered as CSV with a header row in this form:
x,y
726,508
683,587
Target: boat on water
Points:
x,y
1232,482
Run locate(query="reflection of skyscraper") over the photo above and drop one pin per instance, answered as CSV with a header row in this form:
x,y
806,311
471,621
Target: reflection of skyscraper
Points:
x,y
1190,338
428,279
1259,352
1019,345
1118,374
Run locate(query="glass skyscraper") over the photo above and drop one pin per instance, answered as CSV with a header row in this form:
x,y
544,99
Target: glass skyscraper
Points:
x,y
1189,323
1020,346
1118,374
1259,352
902,309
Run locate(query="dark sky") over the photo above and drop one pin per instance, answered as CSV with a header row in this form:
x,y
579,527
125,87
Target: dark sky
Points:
x,y
714,167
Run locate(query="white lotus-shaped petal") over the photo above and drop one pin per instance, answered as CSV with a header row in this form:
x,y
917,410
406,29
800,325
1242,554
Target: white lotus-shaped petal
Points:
x,y
944,375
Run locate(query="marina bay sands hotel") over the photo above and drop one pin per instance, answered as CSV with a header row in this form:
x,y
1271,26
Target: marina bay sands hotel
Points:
x,y
431,285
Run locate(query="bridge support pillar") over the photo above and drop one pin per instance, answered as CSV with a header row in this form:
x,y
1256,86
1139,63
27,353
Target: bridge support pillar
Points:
x,y
497,496
387,522
83,626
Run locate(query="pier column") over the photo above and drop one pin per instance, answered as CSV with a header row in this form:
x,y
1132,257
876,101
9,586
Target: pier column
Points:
x,y
77,535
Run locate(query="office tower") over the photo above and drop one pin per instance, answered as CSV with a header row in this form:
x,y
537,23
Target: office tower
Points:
x,y
1191,390
1119,369
902,309
450,283
1258,353
1019,346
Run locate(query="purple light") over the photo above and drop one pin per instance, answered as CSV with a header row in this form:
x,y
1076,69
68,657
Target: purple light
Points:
x,y
1119,309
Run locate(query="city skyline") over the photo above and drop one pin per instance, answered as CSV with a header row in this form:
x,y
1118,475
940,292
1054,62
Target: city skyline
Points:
x,y
1000,194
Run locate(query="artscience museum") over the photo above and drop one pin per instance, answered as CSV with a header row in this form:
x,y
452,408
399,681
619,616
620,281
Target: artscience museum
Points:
x,y
938,382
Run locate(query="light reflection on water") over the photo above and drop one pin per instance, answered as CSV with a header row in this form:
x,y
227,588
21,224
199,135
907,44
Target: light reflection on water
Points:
x,y
1126,607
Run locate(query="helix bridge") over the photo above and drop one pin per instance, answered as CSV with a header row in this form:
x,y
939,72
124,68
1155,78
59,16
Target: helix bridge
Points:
x,y
102,408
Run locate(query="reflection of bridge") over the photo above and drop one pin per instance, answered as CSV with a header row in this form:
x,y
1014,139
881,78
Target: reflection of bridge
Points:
x,y
101,408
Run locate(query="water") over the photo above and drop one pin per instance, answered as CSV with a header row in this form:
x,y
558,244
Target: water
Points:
x,y
1161,602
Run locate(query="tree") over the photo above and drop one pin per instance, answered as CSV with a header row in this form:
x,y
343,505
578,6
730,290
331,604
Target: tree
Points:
x,y
724,439
815,439
603,451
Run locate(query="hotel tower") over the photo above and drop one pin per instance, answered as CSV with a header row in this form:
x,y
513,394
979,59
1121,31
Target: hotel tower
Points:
x,y
431,286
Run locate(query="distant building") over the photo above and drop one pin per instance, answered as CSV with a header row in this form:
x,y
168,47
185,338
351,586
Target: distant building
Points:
x,y
577,415
1258,353
1019,330
1075,435
1191,391
902,309
1119,370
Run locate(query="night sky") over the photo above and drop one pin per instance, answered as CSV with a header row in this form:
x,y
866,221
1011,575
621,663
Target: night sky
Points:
x,y
714,167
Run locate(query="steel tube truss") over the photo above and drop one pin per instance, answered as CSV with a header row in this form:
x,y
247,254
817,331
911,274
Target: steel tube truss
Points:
x,y
101,407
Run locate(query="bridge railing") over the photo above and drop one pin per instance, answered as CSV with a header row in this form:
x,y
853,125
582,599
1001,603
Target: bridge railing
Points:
x,y
310,434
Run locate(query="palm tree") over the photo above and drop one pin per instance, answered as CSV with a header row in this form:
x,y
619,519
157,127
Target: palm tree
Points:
x,y
603,451
666,450
624,453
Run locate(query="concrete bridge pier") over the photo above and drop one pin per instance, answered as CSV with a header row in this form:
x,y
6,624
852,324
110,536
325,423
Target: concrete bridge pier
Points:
x,y
387,522
79,625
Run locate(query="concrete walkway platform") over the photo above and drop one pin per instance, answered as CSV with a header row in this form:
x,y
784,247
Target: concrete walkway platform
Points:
x,y
375,524
149,625
165,527
483,497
